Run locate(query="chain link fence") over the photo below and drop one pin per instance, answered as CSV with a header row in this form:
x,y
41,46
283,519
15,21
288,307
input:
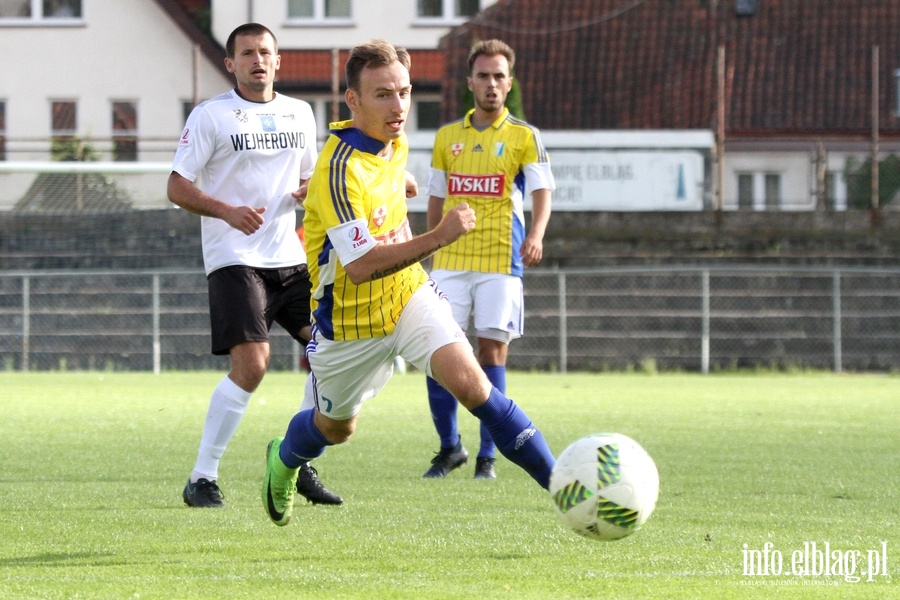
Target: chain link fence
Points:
x,y
690,318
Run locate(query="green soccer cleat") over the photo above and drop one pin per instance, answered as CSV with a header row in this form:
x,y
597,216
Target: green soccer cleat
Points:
x,y
279,486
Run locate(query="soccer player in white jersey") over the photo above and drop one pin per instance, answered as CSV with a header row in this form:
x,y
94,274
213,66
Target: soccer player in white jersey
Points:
x,y
490,160
251,152
372,300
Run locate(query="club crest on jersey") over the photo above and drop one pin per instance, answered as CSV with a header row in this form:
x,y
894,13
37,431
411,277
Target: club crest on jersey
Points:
x,y
379,215
241,115
456,149
498,148
267,122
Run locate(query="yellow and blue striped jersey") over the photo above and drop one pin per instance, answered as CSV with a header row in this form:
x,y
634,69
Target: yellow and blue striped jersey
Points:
x,y
486,169
352,188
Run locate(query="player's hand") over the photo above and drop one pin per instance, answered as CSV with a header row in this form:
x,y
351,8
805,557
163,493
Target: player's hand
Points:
x,y
532,251
458,221
300,193
246,219
412,187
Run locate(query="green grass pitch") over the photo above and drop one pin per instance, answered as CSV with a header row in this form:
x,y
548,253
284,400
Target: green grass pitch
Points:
x,y
758,473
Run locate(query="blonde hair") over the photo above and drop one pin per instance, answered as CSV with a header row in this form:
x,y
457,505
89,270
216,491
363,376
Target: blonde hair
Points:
x,y
376,53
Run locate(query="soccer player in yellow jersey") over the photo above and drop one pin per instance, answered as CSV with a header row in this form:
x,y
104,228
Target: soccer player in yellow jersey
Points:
x,y
372,300
490,160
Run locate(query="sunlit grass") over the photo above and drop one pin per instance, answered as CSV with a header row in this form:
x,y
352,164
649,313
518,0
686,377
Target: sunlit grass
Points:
x,y
93,465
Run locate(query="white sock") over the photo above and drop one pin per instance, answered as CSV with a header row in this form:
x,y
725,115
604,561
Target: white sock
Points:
x,y
226,408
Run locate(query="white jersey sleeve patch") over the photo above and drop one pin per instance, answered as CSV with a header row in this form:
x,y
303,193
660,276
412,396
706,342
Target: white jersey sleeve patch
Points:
x,y
538,176
351,240
437,183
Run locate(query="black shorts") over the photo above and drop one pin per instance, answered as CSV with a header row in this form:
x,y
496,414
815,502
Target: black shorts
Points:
x,y
244,301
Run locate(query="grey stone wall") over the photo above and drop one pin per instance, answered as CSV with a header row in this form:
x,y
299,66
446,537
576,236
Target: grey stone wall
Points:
x,y
171,238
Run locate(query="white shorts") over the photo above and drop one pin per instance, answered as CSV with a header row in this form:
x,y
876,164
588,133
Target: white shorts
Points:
x,y
347,373
494,300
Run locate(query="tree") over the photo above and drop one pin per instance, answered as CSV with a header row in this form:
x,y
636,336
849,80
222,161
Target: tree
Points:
x,y
64,192
858,176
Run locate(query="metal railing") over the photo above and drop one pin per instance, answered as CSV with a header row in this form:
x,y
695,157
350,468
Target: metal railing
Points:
x,y
691,318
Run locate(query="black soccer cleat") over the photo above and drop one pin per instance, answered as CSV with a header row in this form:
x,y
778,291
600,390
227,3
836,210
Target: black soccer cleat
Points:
x,y
203,494
309,486
447,460
484,468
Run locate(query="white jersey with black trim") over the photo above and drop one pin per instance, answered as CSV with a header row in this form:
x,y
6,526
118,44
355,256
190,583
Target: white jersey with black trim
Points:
x,y
250,154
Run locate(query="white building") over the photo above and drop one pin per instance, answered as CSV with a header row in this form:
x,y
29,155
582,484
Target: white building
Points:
x,y
120,76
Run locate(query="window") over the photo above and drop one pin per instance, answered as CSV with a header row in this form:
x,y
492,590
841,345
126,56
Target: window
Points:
x,y
319,10
830,189
427,114
897,86
447,10
2,130
62,118
758,191
40,10
124,127
343,111
186,107
62,130
773,190
745,191
835,190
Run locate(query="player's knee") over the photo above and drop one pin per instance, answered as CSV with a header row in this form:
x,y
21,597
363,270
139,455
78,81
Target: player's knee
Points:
x,y
248,364
248,376
336,432
472,392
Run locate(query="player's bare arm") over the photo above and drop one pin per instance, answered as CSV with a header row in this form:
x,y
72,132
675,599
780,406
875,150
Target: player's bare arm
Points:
x,y
532,250
185,194
435,211
386,259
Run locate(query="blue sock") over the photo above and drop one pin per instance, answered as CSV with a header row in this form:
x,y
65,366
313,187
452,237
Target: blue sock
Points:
x,y
497,376
516,437
303,441
443,413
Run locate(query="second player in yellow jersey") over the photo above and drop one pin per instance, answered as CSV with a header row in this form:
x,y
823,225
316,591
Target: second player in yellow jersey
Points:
x,y
492,168
492,161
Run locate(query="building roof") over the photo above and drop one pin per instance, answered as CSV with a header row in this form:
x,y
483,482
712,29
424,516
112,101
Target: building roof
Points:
x,y
184,13
305,70
301,70
792,67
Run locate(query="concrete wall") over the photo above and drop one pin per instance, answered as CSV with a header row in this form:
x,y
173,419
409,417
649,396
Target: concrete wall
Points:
x,y
171,238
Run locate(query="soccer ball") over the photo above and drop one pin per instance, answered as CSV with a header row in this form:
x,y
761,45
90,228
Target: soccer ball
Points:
x,y
604,486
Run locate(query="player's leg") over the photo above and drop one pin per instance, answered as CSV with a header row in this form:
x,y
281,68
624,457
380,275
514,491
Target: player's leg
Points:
x,y
430,339
287,457
492,358
455,287
452,454
499,319
344,375
290,304
512,431
239,329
